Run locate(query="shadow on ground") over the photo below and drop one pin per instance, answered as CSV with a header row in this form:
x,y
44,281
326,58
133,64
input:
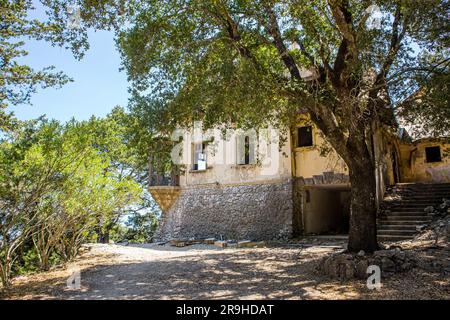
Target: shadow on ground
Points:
x,y
275,273
221,275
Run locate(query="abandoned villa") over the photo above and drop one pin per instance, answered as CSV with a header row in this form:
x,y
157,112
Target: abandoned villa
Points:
x,y
307,192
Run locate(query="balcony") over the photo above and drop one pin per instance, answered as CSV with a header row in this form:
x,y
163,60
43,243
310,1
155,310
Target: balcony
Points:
x,y
164,190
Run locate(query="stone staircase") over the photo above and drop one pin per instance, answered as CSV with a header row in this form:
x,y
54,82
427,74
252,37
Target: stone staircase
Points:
x,y
403,208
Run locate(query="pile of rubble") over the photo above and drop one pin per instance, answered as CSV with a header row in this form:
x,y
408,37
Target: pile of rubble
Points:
x,y
439,228
428,250
346,266
441,211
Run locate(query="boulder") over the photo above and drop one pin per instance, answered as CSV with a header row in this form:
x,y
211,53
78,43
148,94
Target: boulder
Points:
x,y
429,209
361,269
384,253
387,265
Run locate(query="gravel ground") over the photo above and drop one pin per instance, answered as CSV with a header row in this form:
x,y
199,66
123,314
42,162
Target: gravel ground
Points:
x,y
206,272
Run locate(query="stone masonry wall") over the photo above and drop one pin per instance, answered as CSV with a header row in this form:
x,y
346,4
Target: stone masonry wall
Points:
x,y
253,212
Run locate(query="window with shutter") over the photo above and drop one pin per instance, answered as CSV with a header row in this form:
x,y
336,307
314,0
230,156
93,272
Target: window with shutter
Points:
x,y
199,156
246,149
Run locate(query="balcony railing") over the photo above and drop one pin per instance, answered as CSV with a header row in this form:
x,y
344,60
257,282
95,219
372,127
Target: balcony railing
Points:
x,y
164,180
165,190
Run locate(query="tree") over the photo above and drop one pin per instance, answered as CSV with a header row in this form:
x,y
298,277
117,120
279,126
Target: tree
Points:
x,y
24,181
122,172
142,222
18,81
244,62
55,187
427,110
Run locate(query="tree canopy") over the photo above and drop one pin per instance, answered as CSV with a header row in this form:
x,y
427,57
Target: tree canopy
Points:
x,y
64,184
346,63
222,60
19,81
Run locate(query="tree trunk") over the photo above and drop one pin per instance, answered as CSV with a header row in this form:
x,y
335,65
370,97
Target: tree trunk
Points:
x,y
103,236
5,271
150,170
363,229
44,263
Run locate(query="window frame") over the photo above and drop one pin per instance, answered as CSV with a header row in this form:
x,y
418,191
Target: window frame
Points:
x,y
195,159
246,145
429,157
299,135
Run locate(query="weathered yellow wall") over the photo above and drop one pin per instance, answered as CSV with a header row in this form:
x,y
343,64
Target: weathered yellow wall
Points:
x,y
414,167
309,161
229,172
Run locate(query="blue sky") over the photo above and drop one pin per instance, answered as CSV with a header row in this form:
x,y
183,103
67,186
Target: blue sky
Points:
x,y
98,85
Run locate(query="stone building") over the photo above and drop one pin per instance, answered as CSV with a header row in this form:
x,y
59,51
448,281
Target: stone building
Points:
x,y
275,185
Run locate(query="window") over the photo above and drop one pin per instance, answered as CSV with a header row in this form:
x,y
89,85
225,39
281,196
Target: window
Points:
x,y
304,137
433,154
246,150
199,156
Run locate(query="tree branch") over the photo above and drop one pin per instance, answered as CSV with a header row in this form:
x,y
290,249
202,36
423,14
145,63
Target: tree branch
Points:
x,y
274,30
347,49
396,39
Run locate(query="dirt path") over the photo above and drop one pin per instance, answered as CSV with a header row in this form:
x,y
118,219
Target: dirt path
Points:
x,y
207,272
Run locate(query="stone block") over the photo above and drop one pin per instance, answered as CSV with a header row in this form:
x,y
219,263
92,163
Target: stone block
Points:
x,y
250,244
318,179
209,241
221,244
328,176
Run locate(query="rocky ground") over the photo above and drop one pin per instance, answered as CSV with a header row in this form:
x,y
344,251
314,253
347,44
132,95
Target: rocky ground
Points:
x,y
278,271
428,251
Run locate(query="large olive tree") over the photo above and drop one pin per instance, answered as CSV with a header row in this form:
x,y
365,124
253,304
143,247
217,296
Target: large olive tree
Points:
x,y
253,62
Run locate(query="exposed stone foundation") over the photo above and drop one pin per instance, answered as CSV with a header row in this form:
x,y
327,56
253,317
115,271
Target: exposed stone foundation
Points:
x,y
254,212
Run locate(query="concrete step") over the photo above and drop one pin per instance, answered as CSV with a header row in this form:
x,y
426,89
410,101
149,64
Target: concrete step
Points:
x,y
404,205
399,212
406,208
406,218
417,190
433,194
397,232
393,238
402,222
411,203
420,198
420,201
409,227
424,201
422,185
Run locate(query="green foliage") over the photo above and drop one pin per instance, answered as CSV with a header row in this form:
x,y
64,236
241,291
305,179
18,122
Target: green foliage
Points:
x,y
18,81
58,185
117,233
142,223
237,62
141,228
427,110
27,262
